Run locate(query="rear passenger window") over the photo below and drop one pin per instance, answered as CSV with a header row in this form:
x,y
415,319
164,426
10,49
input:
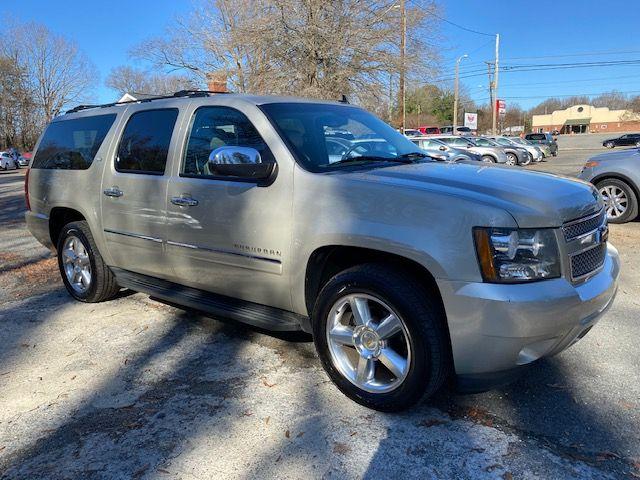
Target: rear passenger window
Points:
x,y
144,145
215,127
72,144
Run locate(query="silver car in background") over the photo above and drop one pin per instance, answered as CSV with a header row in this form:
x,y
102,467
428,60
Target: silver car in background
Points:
x,y
443,152
525,157
617,178
487,154
515,155
534,150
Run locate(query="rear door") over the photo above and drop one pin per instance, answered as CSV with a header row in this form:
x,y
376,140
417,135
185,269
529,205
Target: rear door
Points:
x,y
133,194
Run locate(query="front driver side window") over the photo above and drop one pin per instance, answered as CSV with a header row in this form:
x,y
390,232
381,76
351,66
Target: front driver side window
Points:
x,y
215,127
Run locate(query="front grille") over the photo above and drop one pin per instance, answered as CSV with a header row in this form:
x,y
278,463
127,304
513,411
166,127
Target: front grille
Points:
x,y
588,261
583,226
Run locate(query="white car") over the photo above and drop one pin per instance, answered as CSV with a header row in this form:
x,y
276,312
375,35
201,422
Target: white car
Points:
x,y
7,162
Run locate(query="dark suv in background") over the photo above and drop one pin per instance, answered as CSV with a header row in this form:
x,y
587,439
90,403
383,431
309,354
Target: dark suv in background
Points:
x,y
623,141
544,139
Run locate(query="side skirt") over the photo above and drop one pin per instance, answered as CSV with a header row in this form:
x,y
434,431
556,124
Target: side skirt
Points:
x,y
261,316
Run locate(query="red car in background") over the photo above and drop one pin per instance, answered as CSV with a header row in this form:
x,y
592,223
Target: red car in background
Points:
x,y
429,130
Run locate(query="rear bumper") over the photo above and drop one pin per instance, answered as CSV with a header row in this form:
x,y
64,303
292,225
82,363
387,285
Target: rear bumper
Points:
x,y
498,328
38,225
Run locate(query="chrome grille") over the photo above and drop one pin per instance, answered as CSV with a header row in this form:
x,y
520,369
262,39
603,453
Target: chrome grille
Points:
x,y
586,262
583,226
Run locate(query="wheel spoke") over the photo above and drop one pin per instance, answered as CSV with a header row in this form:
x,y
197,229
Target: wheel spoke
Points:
x,y
389,327
342,335
85,277
393,361
366,370
68,255
83,259
360,309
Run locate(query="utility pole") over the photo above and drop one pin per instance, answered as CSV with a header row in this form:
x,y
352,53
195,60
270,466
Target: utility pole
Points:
x,y
495,86
455,94
491,99
403,48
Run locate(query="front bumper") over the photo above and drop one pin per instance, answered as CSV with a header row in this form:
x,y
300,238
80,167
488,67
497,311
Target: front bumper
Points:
x,y
498,327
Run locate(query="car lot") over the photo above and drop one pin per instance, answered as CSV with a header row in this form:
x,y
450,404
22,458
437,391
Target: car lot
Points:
x,y
137,388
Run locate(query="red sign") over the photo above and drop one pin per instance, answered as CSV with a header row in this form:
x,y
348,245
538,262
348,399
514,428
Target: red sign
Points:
x,y
501,107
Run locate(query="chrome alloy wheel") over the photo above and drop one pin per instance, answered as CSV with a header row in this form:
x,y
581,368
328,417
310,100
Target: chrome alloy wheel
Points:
x,y
615,200
77,266
511,159
368,343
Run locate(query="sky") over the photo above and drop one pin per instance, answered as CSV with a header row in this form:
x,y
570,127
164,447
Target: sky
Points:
x,y
560,32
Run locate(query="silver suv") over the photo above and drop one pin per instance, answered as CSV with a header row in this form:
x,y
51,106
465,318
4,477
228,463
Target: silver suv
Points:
x,y
292,214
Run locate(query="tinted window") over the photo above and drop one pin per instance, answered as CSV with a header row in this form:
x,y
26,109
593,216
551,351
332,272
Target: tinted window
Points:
x,y
305,127
215,127
144,145
536,136
72,144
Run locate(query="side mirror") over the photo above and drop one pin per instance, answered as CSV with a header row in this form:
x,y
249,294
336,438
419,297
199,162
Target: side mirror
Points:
x,y
240,163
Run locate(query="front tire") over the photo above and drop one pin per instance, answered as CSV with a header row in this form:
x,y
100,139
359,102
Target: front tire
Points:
x,y
620,200
381,337
488,159
84,273
512,159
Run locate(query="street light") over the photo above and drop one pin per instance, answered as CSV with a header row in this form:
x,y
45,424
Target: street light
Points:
x,y
455,94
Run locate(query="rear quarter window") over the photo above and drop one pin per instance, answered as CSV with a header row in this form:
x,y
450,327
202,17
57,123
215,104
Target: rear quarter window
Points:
x,y
72,144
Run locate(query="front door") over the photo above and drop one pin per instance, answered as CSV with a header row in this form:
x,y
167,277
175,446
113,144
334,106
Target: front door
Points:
x,y
134,186
226,235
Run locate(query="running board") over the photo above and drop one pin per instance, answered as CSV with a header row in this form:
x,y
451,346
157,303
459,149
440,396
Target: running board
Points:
x,y
261,316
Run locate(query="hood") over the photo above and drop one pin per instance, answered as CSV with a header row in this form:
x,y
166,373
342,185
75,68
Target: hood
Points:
x,y
627,154
534,199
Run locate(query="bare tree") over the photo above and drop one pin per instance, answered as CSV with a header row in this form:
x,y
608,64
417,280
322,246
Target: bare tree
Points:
x,y
311,48
59,74
125,79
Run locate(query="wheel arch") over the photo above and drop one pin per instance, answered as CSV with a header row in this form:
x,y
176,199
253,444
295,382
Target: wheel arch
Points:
x,y
59,217
326,261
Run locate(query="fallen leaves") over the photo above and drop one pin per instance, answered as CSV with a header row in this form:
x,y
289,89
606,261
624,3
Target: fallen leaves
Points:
x,y
267,384
341,448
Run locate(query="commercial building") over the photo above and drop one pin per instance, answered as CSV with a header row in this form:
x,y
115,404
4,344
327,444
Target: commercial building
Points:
x,y
587,119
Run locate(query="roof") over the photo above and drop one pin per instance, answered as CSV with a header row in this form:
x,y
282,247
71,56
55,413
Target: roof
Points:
x,y
578,121
206,97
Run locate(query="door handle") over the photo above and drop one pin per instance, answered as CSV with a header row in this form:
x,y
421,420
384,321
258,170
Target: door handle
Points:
x,y
113,192
184,201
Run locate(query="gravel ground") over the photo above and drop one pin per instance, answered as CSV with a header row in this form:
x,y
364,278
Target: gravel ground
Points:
x,y
134,388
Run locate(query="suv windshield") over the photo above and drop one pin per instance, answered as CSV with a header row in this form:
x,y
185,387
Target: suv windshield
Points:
x,y
310,132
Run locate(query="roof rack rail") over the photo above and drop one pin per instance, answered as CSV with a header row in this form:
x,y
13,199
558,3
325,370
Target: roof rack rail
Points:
x,y
179,94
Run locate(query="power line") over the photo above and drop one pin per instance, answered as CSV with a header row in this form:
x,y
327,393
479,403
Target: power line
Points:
x,y
568,55
637,76
460,26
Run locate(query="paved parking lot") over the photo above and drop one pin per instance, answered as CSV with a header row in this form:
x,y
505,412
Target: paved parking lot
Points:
x,y
134,388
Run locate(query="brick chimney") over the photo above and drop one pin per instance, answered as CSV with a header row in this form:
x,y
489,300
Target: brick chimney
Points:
x,y
217,82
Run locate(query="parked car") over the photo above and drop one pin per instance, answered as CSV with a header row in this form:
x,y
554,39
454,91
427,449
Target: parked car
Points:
x,y
487,154
23,161
544,139
407,271
516,155
443,152
534,150
617,178
429,130
7,162
412,132
460,130
626,140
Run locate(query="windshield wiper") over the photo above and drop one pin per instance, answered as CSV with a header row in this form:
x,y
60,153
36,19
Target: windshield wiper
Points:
x,y
372,159
415,154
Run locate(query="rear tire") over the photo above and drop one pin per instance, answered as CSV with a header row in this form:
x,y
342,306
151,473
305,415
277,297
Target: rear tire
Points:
x,y
609,145
84,273
421,342
618,194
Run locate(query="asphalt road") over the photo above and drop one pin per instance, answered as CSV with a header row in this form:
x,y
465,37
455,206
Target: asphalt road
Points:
x,y
134,388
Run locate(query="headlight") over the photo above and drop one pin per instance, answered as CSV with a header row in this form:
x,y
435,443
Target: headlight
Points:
x,y
512,255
